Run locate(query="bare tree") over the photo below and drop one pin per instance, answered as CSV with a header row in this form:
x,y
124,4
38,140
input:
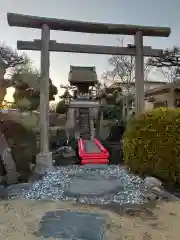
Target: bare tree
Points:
x,y
168,63
122,69
169,58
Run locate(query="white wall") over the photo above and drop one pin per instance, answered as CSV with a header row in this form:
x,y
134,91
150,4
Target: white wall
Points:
x,y
148,106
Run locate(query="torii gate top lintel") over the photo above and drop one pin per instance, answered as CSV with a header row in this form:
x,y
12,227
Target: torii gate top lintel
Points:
x,y
21,20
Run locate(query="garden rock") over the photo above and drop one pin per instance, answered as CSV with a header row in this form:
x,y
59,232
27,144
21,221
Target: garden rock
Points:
x,y
3,192
152,182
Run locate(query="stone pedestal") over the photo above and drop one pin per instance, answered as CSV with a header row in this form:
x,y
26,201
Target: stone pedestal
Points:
x,y
44,163
12,177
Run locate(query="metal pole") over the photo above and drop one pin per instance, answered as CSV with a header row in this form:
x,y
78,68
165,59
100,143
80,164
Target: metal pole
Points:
x,y
139,73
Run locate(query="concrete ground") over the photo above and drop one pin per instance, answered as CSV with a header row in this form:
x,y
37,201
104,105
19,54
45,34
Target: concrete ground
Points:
x,y
19,219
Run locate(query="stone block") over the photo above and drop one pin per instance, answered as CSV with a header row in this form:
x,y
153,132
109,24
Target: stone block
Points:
x,y
78,188
72,225
152,182
3,192
95,166
44,163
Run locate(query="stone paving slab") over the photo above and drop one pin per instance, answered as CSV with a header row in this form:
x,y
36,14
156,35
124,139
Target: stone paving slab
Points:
x,y
66,225
95,166
3,192
93,187
91,147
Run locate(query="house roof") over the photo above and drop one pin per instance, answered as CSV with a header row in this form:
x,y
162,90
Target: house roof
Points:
x,y
80,74
165,87
118,84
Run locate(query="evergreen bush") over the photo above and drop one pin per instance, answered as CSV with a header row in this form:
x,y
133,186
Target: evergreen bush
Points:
x,y
152,144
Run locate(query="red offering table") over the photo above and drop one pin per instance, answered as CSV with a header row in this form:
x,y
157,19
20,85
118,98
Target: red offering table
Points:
x,y
92,152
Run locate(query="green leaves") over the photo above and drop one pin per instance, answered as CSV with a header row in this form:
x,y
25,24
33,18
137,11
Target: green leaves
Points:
x,y
61,107
152,144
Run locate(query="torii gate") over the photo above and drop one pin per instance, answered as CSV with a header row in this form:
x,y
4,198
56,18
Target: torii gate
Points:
x,y
45,45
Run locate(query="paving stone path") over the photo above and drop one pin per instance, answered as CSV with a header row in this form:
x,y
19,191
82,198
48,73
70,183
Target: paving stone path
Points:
x,y
90,184
104,187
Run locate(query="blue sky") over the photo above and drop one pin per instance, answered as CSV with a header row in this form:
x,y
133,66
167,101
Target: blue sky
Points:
x,y
142,12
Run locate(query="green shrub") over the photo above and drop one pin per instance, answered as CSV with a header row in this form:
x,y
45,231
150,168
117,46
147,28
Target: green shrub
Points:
x,y
29,121
152,144
61,107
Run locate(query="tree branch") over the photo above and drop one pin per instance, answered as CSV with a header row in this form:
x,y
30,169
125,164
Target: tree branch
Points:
x,y
122,69
10,58
169,58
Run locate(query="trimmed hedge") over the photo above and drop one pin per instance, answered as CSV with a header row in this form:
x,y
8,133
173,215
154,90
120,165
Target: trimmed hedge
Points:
x,y
152,144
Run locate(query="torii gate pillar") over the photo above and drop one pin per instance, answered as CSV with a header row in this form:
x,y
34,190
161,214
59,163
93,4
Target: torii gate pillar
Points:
x,y
44,158
139,73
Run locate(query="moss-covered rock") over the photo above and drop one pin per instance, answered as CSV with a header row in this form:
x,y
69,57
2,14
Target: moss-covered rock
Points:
x,y
22,142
